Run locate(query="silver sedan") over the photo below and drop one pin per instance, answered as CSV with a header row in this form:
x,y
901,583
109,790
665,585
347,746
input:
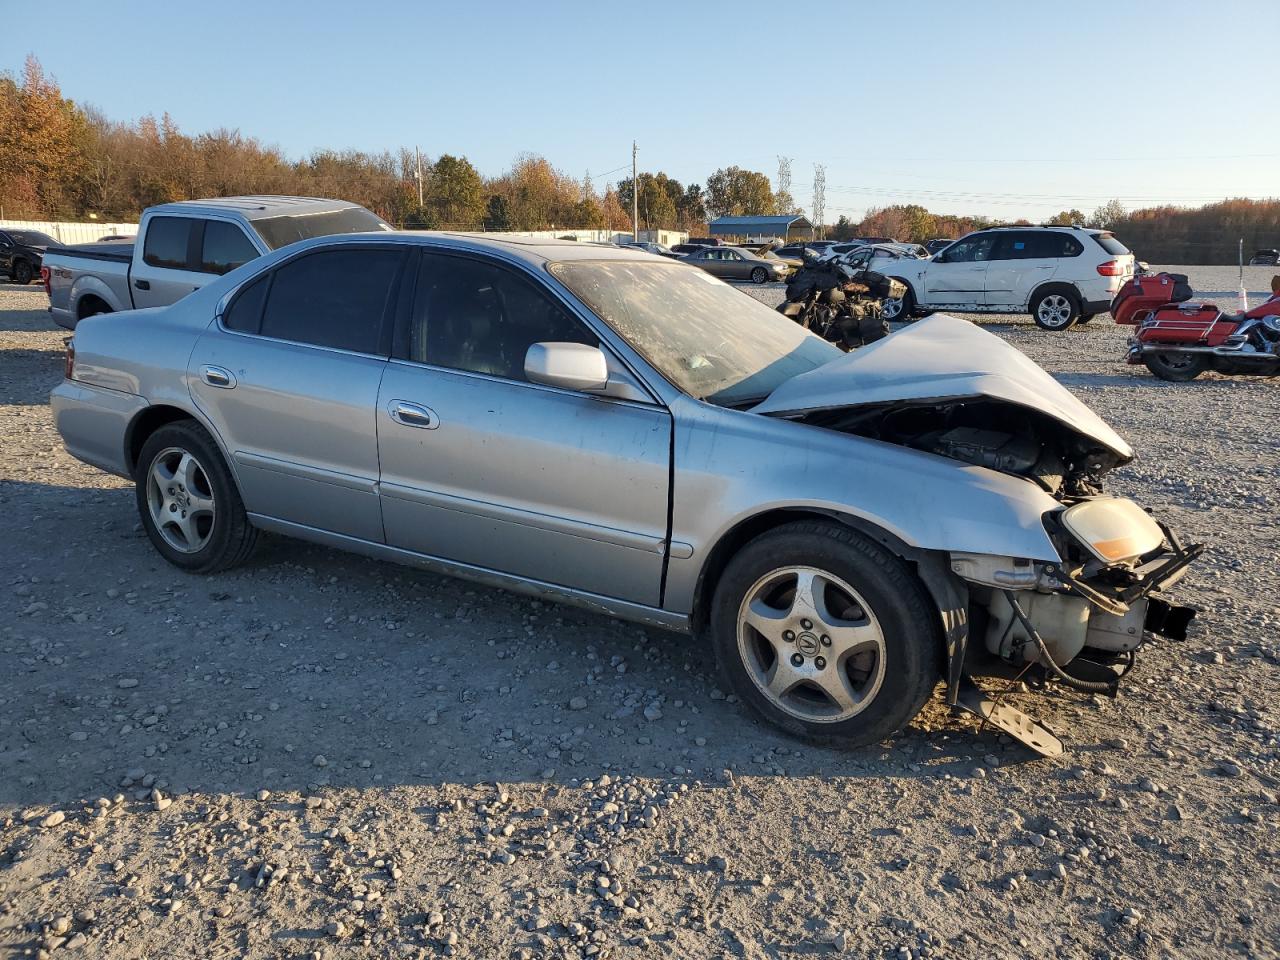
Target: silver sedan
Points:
x,y
602,427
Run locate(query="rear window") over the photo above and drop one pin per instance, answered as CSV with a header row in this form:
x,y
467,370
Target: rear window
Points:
x,y
280,231
1109,243
33,238
225,247
167,241
332,298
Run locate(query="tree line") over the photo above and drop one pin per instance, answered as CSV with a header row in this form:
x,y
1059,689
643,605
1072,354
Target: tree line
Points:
x,y
63,161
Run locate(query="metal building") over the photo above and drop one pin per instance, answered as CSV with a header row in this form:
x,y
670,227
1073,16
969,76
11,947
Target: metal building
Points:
x,y
760,229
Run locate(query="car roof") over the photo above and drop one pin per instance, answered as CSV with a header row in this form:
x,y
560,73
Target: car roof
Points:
x,y
534,251
256,207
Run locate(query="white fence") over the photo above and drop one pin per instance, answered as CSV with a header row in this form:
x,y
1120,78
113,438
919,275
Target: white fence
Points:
x,y
666,237
90,232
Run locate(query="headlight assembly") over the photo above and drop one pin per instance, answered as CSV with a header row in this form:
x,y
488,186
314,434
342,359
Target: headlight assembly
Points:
x,y
1113,530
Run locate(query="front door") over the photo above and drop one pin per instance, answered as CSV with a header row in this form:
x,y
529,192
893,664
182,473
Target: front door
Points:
x,y
959,275
482,467
289,379
1022,260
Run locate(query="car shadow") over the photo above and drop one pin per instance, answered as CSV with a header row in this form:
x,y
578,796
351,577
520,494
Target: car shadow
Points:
x,y
310,668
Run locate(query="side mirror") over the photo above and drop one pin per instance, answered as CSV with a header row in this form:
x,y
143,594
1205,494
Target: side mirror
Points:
x,y
572,366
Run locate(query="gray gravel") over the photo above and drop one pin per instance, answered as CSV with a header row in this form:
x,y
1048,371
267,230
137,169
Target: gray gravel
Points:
x,y
319,755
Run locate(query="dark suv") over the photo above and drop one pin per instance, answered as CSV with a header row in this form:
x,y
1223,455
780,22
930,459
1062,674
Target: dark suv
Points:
x,y
22,252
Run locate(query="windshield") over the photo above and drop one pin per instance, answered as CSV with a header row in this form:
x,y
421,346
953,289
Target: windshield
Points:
x,y
710,340
281,231
32,238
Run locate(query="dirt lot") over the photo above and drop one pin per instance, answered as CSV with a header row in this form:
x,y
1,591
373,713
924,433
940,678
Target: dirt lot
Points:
x,y
319,755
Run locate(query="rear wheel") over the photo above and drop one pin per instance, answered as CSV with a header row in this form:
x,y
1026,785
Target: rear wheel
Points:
x,y
759,275
22,272
825,634
188,501
1176,366
1055,309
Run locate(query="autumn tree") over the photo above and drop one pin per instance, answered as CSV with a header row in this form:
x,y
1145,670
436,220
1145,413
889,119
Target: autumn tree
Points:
x,y
455,193
734,192
1067,218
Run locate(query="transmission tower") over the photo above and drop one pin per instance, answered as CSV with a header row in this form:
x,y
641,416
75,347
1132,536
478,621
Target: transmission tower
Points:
x,y
819,195
784,177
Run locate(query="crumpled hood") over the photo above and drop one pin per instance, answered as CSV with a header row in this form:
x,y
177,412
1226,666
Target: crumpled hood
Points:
x,y
942,358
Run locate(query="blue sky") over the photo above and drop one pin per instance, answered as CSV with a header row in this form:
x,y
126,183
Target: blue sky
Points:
x,y
1007,109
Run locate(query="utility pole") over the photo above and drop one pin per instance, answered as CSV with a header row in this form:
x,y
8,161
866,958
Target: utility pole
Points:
x,y
417,157
819,196
635,197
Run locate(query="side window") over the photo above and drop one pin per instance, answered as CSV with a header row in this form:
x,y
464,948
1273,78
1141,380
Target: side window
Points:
x,y
167,241
476,316
972,250
225,247
245,312
333,298
1018,245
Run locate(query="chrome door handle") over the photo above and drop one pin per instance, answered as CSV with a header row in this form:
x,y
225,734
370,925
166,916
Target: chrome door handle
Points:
x,y
413,414
218,377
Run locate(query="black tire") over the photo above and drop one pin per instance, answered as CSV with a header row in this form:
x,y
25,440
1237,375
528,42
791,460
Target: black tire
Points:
x,y
886,592
1055,308
1176,367
759,275
229,538
22,272
1085,317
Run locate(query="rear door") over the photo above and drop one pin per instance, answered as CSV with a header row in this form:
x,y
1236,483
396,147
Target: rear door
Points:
x,y
179,255
959,275
482,467
289,379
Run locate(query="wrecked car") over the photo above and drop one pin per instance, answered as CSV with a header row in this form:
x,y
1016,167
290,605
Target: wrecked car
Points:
x,y
604,428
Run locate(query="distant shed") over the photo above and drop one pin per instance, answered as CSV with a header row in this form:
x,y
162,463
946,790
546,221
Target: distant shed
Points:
x,y
787,227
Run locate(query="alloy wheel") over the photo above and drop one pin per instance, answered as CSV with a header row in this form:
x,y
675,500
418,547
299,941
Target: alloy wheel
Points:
x,y
891,308
180,500
811,644
1054,310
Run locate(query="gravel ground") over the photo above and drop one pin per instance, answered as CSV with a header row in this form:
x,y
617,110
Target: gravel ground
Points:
x,y
323,756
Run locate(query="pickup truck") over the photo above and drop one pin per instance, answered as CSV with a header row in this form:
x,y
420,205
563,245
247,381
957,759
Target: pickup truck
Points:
x,y
182,246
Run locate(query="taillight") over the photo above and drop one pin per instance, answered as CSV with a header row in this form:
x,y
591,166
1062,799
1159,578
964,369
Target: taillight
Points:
x,y
69,365
44,278
1111,268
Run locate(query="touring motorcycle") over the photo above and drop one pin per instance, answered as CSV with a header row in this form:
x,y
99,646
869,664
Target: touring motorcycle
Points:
x,y
838,303
1179,340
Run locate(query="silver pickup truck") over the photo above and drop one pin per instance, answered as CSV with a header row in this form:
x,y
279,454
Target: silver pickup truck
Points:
x,y
182,246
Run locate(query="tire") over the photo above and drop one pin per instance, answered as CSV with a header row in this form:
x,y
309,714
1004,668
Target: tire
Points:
x,y
1055,309
1176,367
22,273
899,311
759,275
1086,317
891,660
202,527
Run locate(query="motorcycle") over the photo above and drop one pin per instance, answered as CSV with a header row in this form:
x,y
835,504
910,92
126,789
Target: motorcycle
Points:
x,y
1178,340
838,303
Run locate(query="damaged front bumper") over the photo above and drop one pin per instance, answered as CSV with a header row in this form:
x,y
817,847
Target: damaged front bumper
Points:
x,y
1078,622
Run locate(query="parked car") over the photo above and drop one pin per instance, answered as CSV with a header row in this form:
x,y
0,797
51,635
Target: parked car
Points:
x,y
734,263
882,257
684,248
656,248
22,252
1265,258
938,244
603,427
707,241
182,246
1060,275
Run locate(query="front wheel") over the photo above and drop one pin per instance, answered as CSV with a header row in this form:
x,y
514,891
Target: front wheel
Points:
x,y
22,272
899,309
825,634
189,503
1176,366
759,275
1055,310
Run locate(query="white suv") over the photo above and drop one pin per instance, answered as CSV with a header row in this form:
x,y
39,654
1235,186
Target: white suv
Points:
x,y
1060,275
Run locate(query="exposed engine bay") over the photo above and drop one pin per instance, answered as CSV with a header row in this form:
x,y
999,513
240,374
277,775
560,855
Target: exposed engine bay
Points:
x,y
987,433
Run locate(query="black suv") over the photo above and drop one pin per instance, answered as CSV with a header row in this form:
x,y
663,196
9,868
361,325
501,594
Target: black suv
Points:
x,y
22,252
